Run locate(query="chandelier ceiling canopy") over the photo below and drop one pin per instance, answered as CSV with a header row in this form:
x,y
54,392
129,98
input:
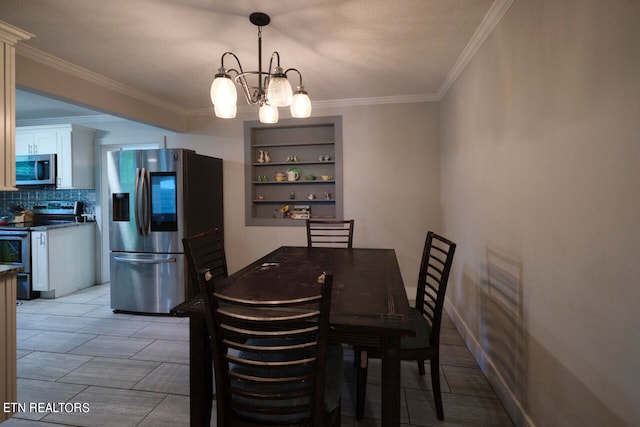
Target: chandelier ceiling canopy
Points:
x,y
273,89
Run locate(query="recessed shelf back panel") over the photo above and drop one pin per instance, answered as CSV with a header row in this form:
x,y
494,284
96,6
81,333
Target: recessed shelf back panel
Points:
x,y
312,148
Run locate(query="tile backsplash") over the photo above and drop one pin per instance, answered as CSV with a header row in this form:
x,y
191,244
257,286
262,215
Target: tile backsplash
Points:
x,y
27,198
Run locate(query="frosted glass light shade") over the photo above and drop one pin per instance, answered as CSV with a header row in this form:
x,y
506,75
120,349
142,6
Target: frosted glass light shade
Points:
x,y
279,91
268,114
223,91
301,104
225,111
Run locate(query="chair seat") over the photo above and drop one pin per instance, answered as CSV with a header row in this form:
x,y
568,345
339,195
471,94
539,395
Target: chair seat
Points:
x,y
423,332
333,378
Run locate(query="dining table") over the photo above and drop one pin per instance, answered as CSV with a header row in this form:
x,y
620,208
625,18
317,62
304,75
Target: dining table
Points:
x,y
369,308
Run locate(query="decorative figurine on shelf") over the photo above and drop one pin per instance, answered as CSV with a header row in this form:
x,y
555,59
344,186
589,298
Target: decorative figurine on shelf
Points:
x,y
311,196
267,158
327,196
260,156
292,195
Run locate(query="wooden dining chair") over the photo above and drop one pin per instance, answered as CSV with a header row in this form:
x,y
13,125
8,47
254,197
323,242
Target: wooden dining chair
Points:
x,y
330,233
205,251
272,363
426,316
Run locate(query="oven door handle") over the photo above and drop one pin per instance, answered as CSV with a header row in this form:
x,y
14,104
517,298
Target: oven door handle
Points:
x,y
13,235
145,260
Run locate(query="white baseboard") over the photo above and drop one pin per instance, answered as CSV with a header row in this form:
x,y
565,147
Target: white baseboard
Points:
x,y
510,402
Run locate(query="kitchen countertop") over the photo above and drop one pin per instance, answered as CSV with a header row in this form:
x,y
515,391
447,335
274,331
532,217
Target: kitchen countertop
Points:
x,y
6,270
26,226
61,225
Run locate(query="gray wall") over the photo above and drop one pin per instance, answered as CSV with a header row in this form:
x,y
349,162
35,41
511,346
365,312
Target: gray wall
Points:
x,y
540,169
391,180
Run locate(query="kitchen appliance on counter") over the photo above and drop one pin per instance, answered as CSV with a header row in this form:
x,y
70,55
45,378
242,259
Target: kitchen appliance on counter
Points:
x,y
158,197
15,241
36,169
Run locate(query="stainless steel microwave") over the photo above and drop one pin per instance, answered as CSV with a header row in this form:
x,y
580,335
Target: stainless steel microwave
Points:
x,y
37,169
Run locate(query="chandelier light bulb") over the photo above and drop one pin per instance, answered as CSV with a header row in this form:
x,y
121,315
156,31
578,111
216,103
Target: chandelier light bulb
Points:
x,y
268,113
225,111
279,91
223,91
301,104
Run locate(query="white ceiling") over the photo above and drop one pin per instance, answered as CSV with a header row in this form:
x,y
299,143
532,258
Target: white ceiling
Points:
x,y
345,49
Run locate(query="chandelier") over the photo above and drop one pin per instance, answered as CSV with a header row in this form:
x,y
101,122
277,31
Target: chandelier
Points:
x,y
272,91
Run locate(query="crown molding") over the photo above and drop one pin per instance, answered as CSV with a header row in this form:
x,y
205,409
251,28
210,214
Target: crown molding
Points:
x,y
491,19
12,35
336,103
98,79
354,102
78,120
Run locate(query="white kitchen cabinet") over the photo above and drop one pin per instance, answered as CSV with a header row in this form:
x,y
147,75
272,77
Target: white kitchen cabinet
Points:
x,y
74,149
39,261
36,142
63,259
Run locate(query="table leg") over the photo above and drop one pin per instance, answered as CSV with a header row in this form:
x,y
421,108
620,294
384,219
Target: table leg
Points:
x,y
391,383
200,373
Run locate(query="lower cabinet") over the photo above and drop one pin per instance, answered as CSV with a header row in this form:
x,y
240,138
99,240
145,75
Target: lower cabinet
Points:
x,y
63,259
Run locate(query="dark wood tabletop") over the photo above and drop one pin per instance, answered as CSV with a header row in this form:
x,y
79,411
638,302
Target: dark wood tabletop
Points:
x,y
369,304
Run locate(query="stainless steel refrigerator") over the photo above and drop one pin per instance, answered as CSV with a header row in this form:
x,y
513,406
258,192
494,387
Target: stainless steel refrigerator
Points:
x,y
157,198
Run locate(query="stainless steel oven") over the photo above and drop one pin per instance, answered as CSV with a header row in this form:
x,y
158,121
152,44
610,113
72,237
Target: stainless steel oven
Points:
x,y
15,249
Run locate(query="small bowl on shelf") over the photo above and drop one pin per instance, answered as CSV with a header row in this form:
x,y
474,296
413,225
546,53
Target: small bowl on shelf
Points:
x,y
310,177
327,177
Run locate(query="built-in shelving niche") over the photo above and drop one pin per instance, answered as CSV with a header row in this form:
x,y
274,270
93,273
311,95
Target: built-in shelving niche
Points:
x,y
311,146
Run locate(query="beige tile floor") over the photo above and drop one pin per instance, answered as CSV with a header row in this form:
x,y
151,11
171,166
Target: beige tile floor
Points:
x,y
132,370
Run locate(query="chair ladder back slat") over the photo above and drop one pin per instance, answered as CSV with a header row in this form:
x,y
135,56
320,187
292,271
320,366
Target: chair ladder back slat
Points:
x,y
431,267
270,355
330,233
206,251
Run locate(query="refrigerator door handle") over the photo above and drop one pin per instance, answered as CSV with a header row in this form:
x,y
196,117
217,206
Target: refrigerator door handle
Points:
x,y
145,260
146,202
136,203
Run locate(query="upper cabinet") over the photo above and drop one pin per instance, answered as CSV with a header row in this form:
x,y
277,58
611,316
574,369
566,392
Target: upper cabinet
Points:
x,y
36,142
74,149
293,171
9,37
